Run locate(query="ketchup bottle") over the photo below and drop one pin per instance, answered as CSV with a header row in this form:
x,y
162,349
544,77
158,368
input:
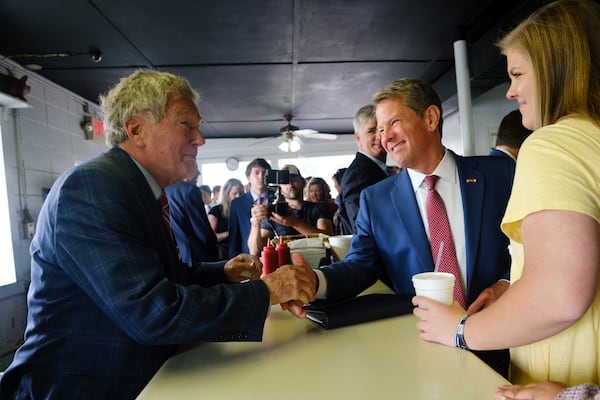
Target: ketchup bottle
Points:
x,y
283,253
269,258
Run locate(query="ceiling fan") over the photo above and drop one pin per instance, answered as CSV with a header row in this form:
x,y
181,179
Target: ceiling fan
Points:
x,y
291,135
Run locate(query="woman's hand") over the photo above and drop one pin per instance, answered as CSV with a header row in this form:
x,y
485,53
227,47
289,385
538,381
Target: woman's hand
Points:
x,y
437,321
547,390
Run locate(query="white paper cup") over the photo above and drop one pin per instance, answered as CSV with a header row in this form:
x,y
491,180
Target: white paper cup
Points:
x,y
340,245
435,285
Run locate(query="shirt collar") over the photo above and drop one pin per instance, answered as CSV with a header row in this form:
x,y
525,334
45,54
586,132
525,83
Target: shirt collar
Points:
x,y
149,178
508,153
380,164
446,170
255,197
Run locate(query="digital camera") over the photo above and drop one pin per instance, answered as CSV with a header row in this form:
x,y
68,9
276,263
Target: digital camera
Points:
x,y
273,179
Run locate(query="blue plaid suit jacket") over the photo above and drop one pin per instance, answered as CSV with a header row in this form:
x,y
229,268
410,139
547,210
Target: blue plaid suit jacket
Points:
x,y
109,300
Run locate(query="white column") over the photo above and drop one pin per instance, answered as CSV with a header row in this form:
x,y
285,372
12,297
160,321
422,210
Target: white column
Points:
x,y
463,88
7,268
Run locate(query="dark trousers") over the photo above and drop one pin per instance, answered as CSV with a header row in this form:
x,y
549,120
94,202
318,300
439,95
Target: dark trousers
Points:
x,y
499,360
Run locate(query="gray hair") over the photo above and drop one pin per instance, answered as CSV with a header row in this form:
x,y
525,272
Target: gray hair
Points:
x,y
362,116
143,92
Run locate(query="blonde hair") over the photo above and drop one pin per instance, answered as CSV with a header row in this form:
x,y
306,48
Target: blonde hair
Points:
x,y
143,92
322,184
224,194
563,42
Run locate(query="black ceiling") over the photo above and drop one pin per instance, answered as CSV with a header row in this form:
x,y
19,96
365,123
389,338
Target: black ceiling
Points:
x,y
254,60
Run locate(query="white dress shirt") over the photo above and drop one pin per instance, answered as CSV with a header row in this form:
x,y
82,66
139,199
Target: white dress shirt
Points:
x,y
448,186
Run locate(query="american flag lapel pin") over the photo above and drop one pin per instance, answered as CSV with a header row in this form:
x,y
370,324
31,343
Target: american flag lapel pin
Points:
x,y
471,180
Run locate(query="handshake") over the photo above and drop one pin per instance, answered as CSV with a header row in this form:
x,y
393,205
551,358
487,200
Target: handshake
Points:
x,y
291,286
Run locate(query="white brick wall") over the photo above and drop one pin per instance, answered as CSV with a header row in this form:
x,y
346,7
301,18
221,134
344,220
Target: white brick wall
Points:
x,y
39,144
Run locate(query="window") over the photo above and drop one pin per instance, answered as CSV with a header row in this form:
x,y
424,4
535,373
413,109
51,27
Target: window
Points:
x,y
324,167
217,173
7,266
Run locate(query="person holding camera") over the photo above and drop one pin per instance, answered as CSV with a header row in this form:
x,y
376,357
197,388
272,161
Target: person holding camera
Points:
x,y
288,216
240,209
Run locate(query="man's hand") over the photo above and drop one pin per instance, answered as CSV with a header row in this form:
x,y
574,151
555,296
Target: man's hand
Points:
x,y
243,267
488,296
259,212
292,286
295,308
288,220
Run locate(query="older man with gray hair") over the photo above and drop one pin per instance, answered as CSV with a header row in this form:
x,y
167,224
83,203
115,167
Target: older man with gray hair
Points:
x,y
367,168
109,300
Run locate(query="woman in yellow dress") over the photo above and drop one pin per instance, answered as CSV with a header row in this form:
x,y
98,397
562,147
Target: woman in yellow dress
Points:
x,y
550,315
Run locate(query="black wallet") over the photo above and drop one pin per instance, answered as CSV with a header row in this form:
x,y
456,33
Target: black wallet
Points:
x,y
370,307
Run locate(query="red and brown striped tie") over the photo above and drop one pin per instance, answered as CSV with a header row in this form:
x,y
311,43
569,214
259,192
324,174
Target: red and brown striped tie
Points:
x,y
166,212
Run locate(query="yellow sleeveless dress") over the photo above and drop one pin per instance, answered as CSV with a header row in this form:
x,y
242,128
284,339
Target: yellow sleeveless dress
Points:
x,y
558,168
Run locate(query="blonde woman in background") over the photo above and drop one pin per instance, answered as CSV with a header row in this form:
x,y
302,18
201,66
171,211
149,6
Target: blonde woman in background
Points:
x,y
318,191
218,216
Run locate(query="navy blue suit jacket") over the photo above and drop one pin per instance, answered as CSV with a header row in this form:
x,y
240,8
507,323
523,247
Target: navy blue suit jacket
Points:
x,y
499,153
109,300
361,173
196,240
239,224
392,244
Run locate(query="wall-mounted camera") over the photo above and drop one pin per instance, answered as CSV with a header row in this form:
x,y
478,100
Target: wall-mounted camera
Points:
x,y
95,55
273,179
88,127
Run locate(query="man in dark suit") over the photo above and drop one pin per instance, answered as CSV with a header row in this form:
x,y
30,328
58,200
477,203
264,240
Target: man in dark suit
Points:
x,y
240,209
196,241
109,300
367,168
392,239
511,135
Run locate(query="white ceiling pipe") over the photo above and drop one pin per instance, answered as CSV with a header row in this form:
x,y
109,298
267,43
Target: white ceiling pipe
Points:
x,y
463,88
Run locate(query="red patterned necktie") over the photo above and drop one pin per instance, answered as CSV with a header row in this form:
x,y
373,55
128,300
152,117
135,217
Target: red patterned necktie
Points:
x,y
440,236
166,212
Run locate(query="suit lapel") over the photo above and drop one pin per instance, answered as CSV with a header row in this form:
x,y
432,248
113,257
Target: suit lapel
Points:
x,y
472,186
405,205
372,167
158,234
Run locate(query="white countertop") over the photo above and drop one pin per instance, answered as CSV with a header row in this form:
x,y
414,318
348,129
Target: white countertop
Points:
x,y
297,360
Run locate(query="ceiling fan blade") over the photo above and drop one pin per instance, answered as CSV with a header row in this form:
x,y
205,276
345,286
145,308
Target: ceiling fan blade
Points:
x,y
262,140
312,134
